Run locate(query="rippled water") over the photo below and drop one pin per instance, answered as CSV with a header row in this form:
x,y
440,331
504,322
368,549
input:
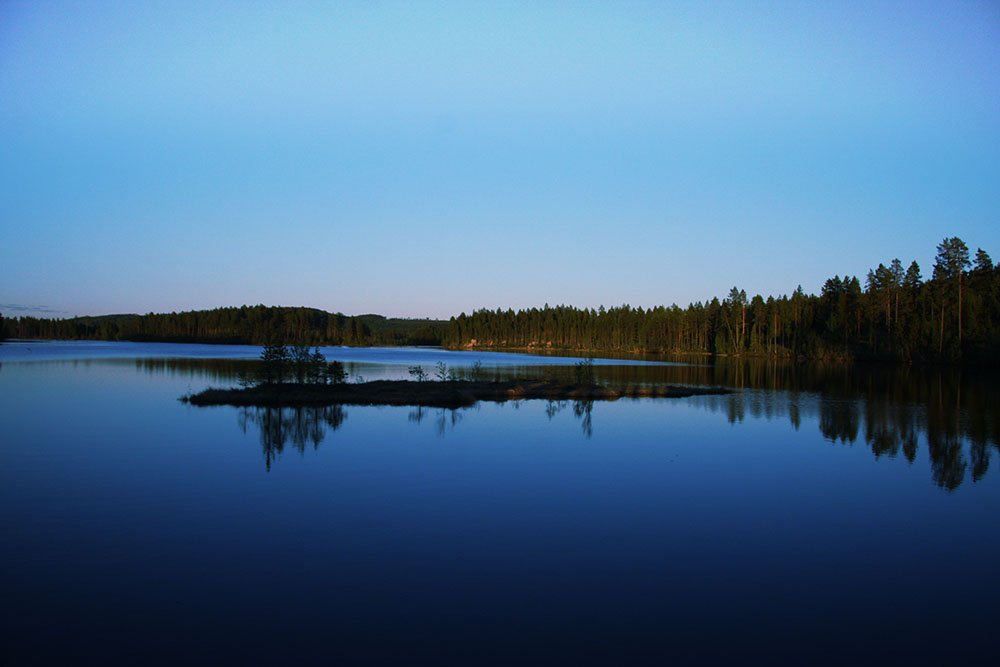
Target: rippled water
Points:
x,y
817,515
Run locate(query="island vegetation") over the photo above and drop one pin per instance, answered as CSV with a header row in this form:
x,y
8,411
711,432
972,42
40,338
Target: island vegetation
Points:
x,y
297,377
448,394
894,314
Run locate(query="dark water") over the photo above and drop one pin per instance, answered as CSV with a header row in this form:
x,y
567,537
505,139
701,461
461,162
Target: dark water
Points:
x,y
819,515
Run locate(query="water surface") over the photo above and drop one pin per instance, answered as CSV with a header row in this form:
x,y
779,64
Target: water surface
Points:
x,y
818,515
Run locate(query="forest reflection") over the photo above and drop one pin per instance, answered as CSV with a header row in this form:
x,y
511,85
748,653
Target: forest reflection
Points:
x,y
891,410
894,410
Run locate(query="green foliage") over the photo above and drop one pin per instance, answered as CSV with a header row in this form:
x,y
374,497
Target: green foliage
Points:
x,y
246,379
274,363
301,363
318,369
584,372
955,315
279,363
441,371
253,325
417,372
335,373
896,316
951,260
984,264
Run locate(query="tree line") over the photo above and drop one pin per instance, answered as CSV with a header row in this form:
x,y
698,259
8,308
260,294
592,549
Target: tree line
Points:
x,y
253,325
896,315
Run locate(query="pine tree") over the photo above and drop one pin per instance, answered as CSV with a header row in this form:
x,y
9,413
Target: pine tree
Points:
x,y
274,358
983,262
949,266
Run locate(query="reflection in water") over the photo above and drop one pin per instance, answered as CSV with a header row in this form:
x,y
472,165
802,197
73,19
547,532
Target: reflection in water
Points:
x,y
553,408
214,370
839,420
418,414
583,411
300,426
954,411
887,425
443,417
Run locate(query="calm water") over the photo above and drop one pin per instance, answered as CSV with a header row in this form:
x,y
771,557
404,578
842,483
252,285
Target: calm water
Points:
x,y
819,515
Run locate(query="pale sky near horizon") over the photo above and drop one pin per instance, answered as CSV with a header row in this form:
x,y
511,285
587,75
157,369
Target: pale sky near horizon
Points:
x,y
422,159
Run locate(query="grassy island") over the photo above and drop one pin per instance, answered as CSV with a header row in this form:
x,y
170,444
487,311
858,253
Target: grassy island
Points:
x,y
448,394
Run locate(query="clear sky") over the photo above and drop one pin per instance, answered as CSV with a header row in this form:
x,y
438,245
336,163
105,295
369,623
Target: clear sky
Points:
x,y
422,159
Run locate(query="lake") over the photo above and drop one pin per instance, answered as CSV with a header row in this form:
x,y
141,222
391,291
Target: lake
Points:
x,y
819,514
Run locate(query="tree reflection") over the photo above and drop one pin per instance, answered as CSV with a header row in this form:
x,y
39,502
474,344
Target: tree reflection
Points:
x,y
216,370
583,410
910,446
735,407
553,408
947,461
793,415
298,426
443,417
417,414
839,420
980,457
446,416
955,412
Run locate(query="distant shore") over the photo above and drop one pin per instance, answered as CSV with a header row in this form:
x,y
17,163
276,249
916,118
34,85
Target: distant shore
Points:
x,y
452,394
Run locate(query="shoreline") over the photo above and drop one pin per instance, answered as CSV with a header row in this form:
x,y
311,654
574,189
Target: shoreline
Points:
x,y
448,394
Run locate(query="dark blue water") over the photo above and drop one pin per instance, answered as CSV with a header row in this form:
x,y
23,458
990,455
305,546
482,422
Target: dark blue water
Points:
x,y
814,523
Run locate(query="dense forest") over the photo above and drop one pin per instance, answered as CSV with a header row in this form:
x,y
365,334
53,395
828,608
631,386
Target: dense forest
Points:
x,y
897,314
243,325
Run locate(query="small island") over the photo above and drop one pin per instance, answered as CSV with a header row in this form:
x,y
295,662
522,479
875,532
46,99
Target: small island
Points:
x,y
447,394
295,377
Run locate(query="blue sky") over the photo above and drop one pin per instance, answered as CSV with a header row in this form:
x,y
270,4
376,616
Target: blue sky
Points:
x,y
423,159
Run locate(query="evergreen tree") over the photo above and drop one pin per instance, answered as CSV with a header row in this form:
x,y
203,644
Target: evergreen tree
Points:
x,y
912,280
984,263
274,366
956,314
335,373
301,361
949,266
317,368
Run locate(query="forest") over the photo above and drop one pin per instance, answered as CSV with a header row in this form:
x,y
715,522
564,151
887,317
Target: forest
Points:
x,y
895,315
255,325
